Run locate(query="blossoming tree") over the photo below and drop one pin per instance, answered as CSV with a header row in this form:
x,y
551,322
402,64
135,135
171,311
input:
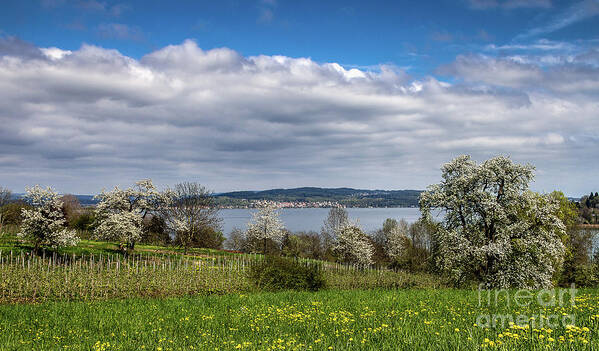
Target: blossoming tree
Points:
x,y
337,218
265,225
120,212
396,239
495,230
44,223
352,245
191,210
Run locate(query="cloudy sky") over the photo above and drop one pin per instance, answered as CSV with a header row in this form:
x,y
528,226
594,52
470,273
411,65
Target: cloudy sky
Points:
x,y
260,94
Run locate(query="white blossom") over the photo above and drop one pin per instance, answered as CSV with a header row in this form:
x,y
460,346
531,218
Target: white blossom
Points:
x,y
352,245
124,227
495,230
337,218
397,241
44,223
120,212
265,225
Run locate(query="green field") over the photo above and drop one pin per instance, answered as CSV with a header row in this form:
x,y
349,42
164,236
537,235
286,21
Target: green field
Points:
x,y
358,320
92,297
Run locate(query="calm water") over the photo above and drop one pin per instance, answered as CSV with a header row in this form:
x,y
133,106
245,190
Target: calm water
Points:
x,y
306,219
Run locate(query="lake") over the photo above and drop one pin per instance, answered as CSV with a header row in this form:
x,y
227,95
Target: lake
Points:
x,y
307,219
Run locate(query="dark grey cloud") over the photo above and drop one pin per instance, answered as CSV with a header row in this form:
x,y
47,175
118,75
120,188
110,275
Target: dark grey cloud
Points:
x,y
94,118
571,75
13,46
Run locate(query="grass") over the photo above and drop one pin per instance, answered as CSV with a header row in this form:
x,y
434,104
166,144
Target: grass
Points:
x,y
327,320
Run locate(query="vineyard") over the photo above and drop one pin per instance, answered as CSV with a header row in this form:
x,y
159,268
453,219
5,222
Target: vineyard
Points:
x,y
25,277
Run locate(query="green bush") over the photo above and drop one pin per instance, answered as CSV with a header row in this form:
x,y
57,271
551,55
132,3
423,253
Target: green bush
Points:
x,y
83,221
11,213
155,232
280,273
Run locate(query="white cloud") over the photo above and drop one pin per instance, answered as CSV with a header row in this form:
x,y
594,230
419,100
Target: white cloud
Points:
x,y
54,53
514,143
93,118
505,72
541,44
578,12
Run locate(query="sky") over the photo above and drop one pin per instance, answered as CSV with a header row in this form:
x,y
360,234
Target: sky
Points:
x,y
260,94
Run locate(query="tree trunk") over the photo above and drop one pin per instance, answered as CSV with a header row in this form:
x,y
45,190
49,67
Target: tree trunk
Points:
x,y
130,247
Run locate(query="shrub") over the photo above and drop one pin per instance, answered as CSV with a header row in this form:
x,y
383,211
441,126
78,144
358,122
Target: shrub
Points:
x,y
12,212
209,238
302,244
82,221
237,241
155,232
279,273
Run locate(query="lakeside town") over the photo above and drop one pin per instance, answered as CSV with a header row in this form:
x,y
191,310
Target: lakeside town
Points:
x,y
284,204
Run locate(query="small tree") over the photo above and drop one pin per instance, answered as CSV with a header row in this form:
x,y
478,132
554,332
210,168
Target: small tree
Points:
x,y
353,246
71,207
237,240
302,244
120,212
336,219
192,215
420,234
397,242
155,231
5,196
265,226
579,244
495,230
44,223
12,213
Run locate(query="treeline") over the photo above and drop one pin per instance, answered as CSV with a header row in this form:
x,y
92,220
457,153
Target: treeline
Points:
x,y
184,216
397,244
495,230
80,218
589,208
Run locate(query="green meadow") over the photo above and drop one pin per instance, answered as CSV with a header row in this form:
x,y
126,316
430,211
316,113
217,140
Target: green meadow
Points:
x,y
410,319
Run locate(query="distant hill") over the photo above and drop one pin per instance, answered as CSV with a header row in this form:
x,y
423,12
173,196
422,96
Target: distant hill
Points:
x,y
84,200
87,200
345,196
